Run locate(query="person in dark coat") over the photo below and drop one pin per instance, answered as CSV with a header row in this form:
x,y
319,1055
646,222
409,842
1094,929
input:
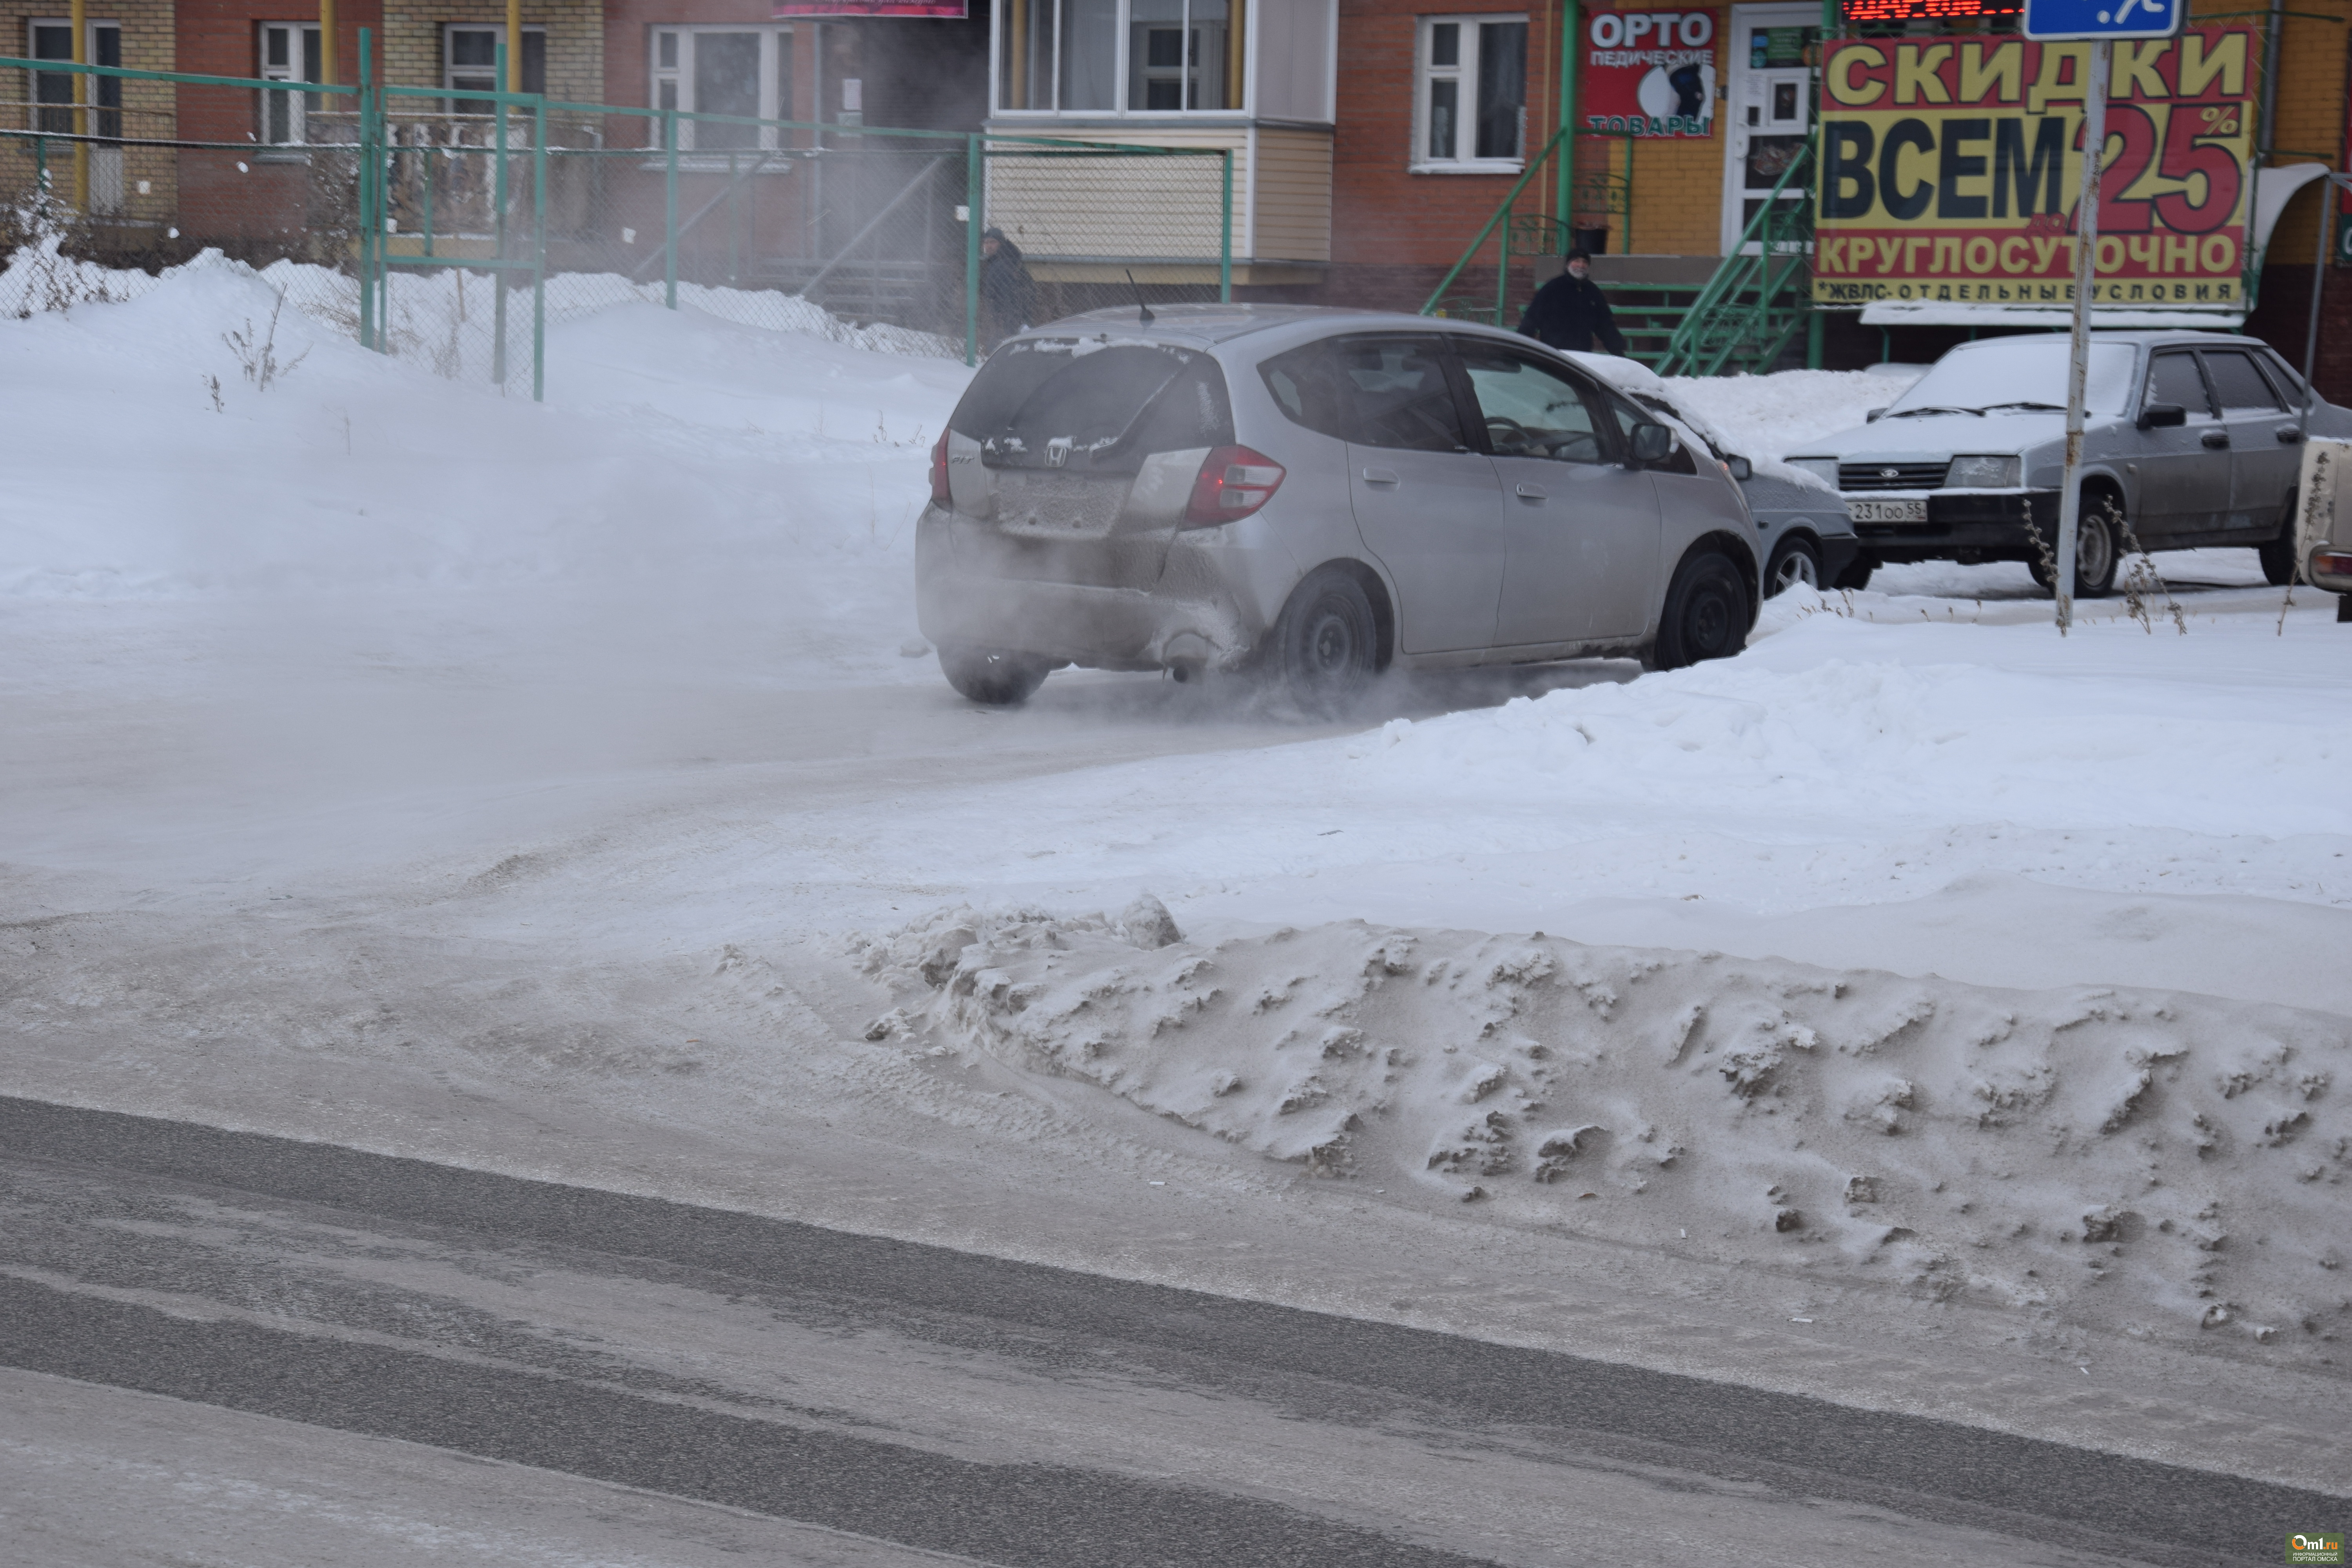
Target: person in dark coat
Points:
x,y
1008,295
1570,312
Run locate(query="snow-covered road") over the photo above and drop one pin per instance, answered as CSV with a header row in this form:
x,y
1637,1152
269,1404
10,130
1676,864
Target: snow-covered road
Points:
x,y
547,789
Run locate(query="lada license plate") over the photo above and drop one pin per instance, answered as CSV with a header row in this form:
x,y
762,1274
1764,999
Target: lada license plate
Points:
x,y
1888,510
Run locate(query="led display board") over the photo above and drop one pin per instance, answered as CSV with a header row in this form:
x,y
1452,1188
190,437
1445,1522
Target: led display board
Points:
x,y
1926,10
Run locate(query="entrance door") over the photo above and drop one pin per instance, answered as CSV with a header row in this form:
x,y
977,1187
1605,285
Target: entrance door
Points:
x,y
1770,92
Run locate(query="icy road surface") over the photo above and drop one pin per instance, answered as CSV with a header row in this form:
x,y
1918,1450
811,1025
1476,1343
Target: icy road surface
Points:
x,y
546,790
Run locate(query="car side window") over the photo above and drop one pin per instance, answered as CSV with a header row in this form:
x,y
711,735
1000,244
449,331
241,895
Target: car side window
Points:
x,y
2174,378
1531,409
2284,378
2239,385
1678,461
1306,385
1397,393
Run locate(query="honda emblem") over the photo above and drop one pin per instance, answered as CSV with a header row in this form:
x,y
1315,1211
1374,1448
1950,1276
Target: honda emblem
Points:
x,y
1057,452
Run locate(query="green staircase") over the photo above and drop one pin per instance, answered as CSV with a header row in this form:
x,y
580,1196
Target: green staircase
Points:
x,y
1747,318
1752,311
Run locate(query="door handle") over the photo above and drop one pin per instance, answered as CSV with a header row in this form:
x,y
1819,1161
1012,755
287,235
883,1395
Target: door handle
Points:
x,y
2215,438
1532,492
2290,434
1380,476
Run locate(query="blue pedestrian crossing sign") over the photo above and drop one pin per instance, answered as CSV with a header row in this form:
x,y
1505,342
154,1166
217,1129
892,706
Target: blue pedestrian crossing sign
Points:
x,y
2058,20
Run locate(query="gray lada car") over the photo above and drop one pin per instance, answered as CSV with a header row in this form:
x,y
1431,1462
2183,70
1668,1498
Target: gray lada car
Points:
x,y
1316,495
2191,439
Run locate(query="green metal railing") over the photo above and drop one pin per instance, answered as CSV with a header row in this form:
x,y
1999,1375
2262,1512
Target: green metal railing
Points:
x,y
362,175
1756,302
1501,223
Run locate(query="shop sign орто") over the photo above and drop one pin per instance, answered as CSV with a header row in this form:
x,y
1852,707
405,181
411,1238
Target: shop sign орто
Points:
x,y
1649,73
1950,168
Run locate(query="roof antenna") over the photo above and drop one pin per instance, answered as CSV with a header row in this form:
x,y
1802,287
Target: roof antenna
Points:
x,y
1141,309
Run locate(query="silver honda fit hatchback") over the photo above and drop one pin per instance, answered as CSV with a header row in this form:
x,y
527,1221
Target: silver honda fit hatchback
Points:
x,y
1315,496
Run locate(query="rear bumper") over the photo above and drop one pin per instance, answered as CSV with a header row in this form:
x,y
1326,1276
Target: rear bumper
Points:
x,y
1190,617
1965,526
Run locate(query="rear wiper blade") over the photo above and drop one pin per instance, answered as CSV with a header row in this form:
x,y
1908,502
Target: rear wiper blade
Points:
x,y
2052,407
1909,413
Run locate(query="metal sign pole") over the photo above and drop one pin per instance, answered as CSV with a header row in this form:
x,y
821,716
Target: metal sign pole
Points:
x,y
2086,256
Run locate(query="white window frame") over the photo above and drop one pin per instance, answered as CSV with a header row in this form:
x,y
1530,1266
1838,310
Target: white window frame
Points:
x,y
296,35
1123,69
92,29
450,68
1464,72
679,77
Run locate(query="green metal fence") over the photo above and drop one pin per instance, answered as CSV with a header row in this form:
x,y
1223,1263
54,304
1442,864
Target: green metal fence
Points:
x,y
458,226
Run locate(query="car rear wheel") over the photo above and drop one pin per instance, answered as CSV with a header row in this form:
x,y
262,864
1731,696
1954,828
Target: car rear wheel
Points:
x,y
2278,556
995,676
1705,615
1795,562
1326,646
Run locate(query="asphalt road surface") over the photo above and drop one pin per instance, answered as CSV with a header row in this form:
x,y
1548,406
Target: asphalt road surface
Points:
x,y
897,1399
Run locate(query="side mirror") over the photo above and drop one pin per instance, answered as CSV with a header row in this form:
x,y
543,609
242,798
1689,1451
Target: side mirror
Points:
x,y
2162,417
1652,443
1740,467
1872,418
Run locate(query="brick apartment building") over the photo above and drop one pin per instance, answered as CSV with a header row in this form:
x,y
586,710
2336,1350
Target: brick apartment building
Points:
x,y
1371,139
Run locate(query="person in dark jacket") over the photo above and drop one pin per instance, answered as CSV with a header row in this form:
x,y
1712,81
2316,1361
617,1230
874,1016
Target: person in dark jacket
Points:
x,y
1570,312
1008,295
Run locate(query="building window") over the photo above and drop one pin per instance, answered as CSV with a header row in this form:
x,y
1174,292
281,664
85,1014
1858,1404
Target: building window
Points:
x,y
726,71
469,63
1470,98
1106,57
52,39
289,52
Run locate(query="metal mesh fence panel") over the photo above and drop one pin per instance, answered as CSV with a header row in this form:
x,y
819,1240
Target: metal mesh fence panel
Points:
x,y
103,187
454,230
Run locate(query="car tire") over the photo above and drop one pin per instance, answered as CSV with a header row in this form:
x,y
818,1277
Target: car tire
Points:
x,y
1795,559
993,676
2279,563
1856,577
1705,615
1326,648
2098,547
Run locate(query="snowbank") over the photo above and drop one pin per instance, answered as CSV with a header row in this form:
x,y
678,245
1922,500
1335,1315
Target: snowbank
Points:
x,y
704,470
2156,1163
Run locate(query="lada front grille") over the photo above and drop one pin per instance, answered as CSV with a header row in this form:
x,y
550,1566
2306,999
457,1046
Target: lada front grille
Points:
x,y
1892,476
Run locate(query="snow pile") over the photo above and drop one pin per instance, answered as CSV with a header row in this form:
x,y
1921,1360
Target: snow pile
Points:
x,y
1828,718
698,473
1770,417
2156,1161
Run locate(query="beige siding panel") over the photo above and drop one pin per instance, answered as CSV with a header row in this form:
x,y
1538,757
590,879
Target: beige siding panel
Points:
x,y
1165,210
1293,195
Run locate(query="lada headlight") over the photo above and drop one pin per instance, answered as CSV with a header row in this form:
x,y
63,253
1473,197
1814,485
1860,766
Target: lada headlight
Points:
x,y
1985,473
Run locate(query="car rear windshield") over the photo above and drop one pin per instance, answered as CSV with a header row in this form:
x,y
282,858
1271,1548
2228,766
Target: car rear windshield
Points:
x,y
2018,372
1092,403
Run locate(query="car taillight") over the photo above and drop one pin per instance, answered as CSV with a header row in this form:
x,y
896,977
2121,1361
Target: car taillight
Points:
x,y
940,492
1233,481
2333,562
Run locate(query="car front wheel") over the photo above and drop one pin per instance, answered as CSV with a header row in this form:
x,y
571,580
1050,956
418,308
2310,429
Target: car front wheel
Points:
x,y
2098,545
1794,562
1705,614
